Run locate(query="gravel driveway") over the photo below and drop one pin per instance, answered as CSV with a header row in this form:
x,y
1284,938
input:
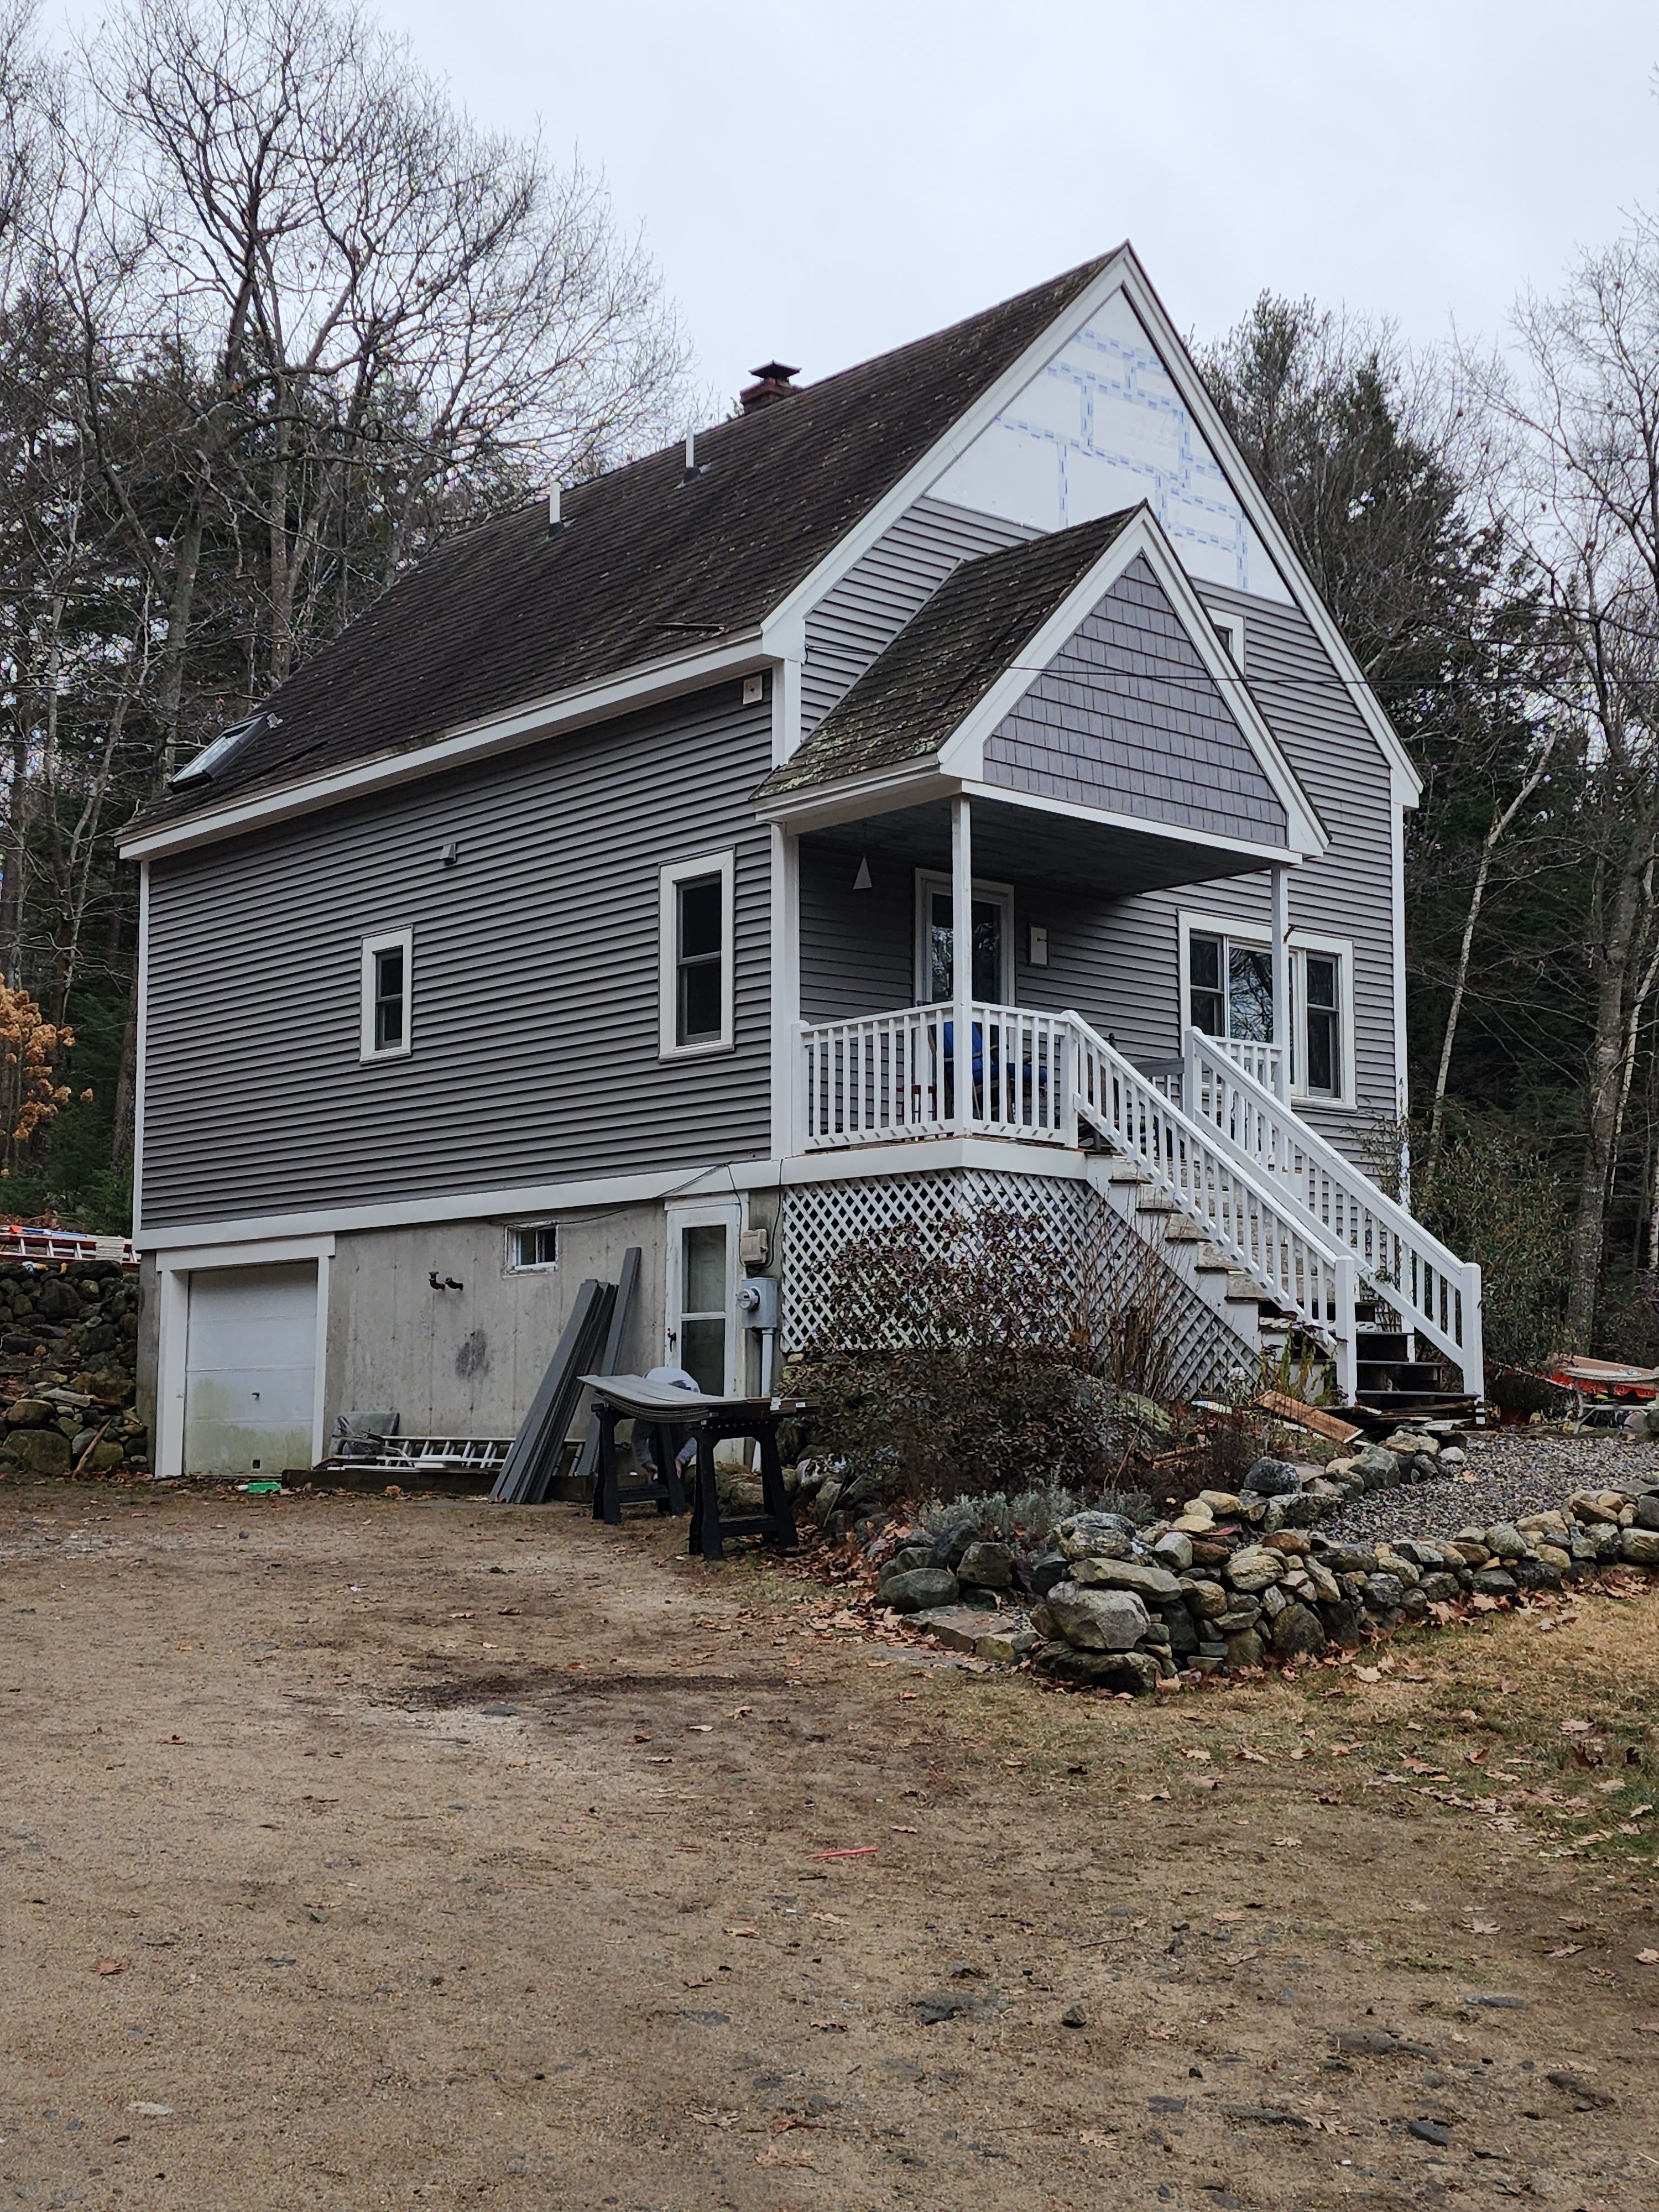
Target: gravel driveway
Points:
x,y
1506,1476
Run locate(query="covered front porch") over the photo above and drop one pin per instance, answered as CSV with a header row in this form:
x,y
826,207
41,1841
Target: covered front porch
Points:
x,y
899,1041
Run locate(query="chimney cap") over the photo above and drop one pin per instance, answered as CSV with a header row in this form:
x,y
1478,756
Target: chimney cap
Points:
x,y
772,385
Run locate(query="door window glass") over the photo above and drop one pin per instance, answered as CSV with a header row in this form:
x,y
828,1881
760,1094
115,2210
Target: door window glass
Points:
x,y
703,1304
990,924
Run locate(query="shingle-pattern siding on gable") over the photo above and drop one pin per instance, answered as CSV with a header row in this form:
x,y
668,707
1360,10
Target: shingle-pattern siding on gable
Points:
x,y
859,617
535,1013
1127,718
941,664
1118,962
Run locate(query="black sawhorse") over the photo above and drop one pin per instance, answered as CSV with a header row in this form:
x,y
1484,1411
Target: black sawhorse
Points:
x,y
758,1421
663,1489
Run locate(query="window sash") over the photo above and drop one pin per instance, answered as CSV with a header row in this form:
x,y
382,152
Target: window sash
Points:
x,y
387,995
1229,984
697,955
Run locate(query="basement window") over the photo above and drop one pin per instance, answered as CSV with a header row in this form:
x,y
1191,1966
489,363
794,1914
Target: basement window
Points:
x,y
531,1244
386,990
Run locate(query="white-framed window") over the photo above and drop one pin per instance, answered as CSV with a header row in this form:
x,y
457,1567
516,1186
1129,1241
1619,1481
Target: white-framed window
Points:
x,y
695,951
531,1245
993,941
1230,628
1227,991
387,985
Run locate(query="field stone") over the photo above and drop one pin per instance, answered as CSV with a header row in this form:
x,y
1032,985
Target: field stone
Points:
x,y
1206,1599
958,1627
987,1566
1647,1512
1253,1567
1377,1466
1640,1547
42,1451
1125,1575
1096,1536
1506,1540
30,1414
920,1589
1244,1649
1174,1550
1274,1478
1097,1620
1107,1670
1298,1630
1494,1581
1005,1646
1050,1568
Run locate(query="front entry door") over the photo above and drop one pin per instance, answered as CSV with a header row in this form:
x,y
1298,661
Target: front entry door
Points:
x,y
993,981
702,1334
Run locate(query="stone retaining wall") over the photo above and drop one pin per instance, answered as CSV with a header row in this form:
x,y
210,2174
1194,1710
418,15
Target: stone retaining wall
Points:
x,y
69,1335
1241,1580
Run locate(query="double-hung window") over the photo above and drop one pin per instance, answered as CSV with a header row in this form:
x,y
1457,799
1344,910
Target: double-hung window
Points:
x,y
696,955
387,990
1227,984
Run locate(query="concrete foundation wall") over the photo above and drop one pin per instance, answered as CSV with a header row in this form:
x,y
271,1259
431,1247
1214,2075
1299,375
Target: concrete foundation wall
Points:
x,y
468,1362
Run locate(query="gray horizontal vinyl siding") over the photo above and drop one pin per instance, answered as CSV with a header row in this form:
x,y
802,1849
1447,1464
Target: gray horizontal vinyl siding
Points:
x,y
1118,963
1127,717
534,981
861,616
856,948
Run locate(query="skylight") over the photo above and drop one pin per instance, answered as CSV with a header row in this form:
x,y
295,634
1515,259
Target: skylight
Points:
x,y
223,748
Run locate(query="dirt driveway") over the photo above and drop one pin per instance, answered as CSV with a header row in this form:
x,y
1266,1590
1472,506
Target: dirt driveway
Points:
x,y
364,1853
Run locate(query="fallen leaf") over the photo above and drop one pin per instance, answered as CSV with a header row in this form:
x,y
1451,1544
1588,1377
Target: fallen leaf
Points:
x,y
151,2112
1643,1959
1507,1689
1483,1926
1577,1727
1478,1758
742,1712
1565,1951
1226,1916
743,1931
1330,1797
110,1967
641,1736
834,1919
1422,1767
1254,1758
898,1831
1095,2140
700,1728
1369,1674
1203,1756
775,2157
1205,1781
1287,1843
506,1612
1150,1796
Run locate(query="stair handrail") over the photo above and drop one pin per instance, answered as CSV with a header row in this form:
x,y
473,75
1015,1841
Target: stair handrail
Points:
x,y
1432,1288
1262,1230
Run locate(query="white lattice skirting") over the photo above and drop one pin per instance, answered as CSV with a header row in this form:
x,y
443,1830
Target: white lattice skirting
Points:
x,y
819,1218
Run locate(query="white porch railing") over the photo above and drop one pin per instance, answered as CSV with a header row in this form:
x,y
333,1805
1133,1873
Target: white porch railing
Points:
x,y
883,1077
1254,1056
1433,1291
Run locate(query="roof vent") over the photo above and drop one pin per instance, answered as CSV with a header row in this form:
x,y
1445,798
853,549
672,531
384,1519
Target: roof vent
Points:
x,y
773,384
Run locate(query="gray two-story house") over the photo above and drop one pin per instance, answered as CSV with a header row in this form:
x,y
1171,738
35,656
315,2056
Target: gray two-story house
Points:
x,y
602,887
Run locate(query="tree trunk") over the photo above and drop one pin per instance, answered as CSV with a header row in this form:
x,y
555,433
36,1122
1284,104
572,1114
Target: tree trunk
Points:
x,y
1602,1098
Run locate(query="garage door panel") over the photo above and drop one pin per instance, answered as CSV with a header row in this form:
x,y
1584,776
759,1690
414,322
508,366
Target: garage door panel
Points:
x,y
250,1369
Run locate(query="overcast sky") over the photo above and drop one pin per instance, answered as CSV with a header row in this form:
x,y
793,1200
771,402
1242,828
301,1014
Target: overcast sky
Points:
x,y
820,181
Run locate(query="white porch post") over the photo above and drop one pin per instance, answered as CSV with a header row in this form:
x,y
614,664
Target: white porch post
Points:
x,y
962,960
1282,929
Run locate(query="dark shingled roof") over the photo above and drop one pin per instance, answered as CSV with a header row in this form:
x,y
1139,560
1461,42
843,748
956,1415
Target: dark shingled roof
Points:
x,y
505,614
945,659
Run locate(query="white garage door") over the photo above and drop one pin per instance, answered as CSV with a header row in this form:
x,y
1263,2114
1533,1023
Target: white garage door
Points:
x,y
251,1369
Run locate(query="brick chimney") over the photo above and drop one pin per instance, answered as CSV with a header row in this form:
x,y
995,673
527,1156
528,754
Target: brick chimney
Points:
x,y
773,384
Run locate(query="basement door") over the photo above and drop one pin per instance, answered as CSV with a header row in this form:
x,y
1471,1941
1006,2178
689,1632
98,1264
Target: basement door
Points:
x,y
701,1333
251,1369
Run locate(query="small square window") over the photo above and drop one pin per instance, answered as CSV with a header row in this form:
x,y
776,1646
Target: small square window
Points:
x,y
532,1244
